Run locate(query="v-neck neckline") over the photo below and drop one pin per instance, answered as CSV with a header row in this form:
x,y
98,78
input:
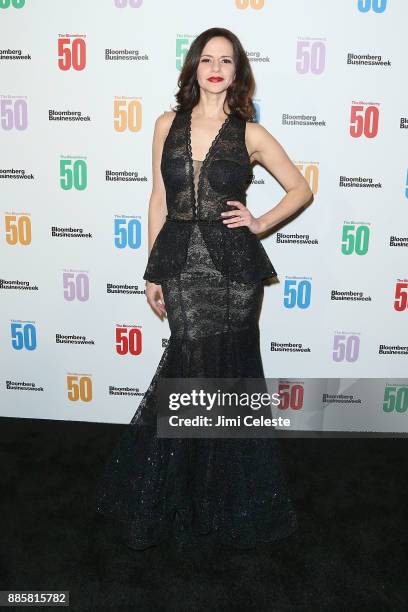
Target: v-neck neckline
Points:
x,y
213,142
196,195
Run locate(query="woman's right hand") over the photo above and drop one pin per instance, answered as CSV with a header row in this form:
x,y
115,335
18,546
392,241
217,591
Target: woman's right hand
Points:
x,y
154,295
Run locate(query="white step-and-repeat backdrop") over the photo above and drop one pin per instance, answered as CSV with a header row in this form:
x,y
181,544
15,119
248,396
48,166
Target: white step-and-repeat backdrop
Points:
x,y
81,84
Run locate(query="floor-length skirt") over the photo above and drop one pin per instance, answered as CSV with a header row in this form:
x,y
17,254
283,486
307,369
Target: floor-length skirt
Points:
x,y
199,490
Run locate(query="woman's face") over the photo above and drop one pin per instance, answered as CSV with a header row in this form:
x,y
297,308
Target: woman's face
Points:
x,y
216,68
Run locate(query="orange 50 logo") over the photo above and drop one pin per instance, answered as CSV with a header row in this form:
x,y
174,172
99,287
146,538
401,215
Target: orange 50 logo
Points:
x,y
18,229
311,174
127,115
253,4
79,387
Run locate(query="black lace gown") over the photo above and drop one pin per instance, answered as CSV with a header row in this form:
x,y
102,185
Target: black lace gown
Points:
x,y
192,490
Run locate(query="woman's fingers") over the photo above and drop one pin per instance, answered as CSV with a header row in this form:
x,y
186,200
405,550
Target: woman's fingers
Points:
x,y
161,304
154,295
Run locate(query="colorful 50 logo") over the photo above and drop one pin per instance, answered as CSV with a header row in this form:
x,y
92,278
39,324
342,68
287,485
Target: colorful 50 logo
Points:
x,y
401,296
346,347
364,120
291,396
79,388
76,286
355,239
297,293
128,233
310,56
71,53
14,113
128,340
127,115
23,336
18,229
256,5
73,174
395,398
311,174
4,4
377,6
125,3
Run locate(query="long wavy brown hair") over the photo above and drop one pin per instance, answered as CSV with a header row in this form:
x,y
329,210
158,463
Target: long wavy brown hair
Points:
x,y
239,93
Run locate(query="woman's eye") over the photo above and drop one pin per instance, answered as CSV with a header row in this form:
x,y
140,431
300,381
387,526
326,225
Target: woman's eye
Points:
x,y
207,59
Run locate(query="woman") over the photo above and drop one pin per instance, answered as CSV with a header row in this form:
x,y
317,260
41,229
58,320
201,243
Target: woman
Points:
x,y
205,272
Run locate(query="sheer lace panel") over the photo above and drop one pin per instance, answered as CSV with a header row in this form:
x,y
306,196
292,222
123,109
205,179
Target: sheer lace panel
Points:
x,y
197,163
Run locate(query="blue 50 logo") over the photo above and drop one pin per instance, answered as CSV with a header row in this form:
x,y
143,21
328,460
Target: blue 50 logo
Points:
x,y
297,293
378,6
23,336
128,233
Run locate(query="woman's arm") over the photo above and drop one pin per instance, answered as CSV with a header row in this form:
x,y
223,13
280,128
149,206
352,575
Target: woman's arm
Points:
x,y
157,206
157,203
265,149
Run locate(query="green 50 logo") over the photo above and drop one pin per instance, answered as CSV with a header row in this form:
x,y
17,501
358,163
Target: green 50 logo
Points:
x,y
355,239
73,174
395,398
4,4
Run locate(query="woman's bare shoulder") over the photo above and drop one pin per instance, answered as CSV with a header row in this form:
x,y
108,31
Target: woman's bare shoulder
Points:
x,y
164,121
258,138
253,135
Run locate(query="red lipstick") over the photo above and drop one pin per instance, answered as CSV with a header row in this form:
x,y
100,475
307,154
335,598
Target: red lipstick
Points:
x,y
215,79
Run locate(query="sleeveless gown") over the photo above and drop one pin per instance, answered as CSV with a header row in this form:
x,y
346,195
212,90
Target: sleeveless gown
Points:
x,y
199,491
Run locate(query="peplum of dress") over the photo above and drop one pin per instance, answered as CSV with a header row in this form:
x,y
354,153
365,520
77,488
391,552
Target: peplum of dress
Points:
x,y
201,491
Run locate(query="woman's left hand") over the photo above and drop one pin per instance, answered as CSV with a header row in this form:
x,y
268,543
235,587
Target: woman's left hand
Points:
x,y
240,217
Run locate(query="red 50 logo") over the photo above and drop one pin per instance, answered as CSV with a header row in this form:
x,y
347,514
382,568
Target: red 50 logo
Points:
x,y
291,396
128,340
71,53
364,120
401,296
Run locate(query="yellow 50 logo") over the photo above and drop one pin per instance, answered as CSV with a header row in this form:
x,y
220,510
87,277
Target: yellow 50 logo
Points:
x,y
127,115
79,388
18,229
